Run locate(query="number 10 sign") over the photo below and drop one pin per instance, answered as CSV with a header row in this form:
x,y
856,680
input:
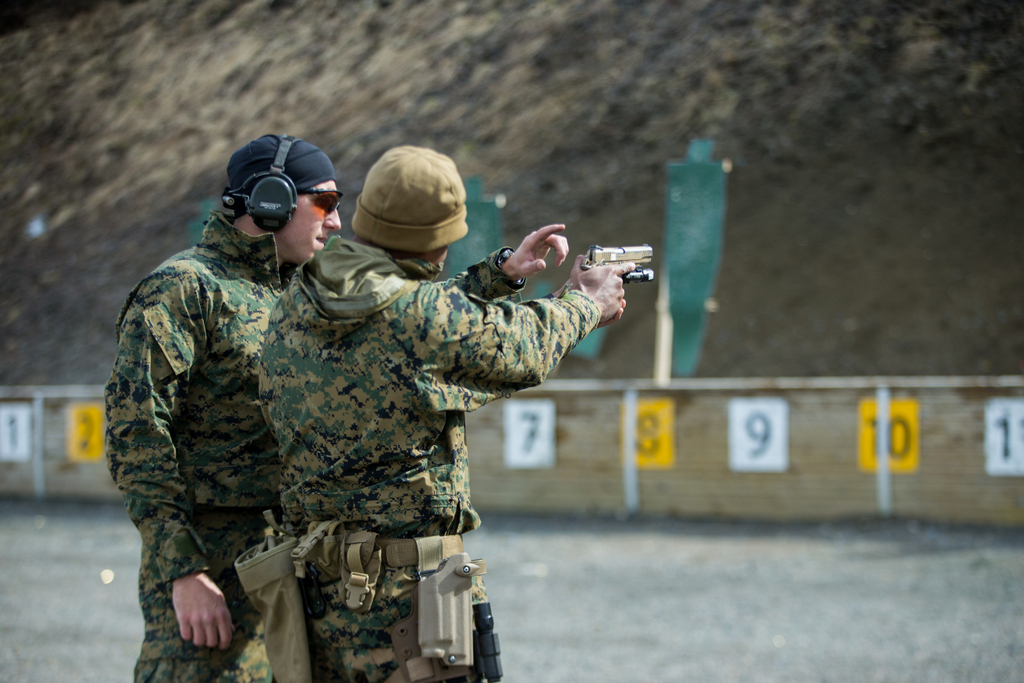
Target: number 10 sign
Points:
x,y
758,435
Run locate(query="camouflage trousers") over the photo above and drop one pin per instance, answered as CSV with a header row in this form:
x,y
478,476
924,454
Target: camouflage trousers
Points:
x,y
165,656
346,647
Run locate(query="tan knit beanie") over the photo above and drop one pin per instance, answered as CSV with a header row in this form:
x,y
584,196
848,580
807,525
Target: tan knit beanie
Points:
x,y
413,200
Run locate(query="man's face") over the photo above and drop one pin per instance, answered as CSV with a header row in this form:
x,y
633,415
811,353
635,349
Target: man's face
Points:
x,y
308,230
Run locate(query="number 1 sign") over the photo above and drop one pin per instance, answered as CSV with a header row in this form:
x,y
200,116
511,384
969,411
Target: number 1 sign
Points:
x,y
529,433
16,432
758,435
1004,437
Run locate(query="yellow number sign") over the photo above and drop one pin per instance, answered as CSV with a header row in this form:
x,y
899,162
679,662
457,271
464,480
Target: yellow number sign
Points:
x,y
655,434
904,436
85,432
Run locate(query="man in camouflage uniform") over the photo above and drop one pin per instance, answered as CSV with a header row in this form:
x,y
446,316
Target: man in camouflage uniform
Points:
x,y
369,368
187,443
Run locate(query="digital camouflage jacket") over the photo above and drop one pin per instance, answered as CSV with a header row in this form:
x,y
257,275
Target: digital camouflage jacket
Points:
x,y
184,427
369,368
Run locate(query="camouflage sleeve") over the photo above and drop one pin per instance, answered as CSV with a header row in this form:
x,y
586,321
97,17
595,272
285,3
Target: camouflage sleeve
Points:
x,y
480,351
143,400
487,281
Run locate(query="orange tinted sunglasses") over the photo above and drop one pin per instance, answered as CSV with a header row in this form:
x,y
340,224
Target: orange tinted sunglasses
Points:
x,y
325,200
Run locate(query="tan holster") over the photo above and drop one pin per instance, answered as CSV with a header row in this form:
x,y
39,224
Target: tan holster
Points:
x,y
267,574
435,642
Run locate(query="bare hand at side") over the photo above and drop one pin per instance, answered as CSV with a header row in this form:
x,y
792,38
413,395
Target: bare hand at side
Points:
x,y
202,612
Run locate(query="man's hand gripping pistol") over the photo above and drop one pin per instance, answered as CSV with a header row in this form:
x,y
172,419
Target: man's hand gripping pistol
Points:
x,y
641,255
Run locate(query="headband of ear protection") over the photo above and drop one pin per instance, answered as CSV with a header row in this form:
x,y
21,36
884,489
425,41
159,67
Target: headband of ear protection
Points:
x,y
274,197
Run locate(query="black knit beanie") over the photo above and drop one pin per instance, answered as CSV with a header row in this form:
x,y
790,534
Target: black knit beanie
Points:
x,y
306,165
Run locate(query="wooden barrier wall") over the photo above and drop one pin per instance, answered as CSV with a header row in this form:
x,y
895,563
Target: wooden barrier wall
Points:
x,y
50,472
822,480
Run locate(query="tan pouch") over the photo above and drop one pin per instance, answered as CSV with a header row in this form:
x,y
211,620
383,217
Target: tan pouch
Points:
x,y
267,574
360,562
353,557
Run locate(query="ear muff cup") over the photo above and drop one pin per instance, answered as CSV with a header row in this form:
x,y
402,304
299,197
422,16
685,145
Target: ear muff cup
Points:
x,y
272,201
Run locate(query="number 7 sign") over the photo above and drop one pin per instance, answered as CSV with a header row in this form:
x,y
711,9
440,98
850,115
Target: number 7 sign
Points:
x,y
758,435
529,433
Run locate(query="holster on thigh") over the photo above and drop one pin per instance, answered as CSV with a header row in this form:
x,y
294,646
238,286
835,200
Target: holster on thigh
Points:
x,y
435,642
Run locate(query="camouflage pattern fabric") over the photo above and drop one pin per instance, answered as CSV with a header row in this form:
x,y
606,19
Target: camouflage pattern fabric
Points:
x,y
184,428
357,665
342,641
226,535
368,370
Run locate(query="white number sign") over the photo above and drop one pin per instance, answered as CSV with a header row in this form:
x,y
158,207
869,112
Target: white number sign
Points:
x,y
16,432
758,435
1004,437
529,433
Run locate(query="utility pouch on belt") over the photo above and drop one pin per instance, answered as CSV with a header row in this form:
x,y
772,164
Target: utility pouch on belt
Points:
x,y
333,553
435,642
267,574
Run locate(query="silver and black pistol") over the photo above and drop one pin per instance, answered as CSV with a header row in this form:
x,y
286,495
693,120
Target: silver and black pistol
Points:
x,y
641,255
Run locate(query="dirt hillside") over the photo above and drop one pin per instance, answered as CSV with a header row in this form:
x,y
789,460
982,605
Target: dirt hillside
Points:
x,y
875,221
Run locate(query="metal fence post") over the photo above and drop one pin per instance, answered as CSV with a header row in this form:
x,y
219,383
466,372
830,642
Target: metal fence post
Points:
x,y
38,467
882,429
629,479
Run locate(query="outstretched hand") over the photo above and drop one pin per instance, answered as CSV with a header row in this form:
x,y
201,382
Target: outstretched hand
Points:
x,y
528,260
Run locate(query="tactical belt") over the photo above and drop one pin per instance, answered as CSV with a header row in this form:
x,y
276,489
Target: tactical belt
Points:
x,y
329,552
424,553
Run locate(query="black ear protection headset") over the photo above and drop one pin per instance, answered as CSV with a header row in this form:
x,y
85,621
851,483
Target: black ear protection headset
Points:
x,y
274,197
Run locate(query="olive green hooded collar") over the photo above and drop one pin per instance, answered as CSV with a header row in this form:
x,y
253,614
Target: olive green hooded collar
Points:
x,y
350,280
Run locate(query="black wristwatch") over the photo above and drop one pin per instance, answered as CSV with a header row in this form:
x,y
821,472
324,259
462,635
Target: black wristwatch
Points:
x,y
504,255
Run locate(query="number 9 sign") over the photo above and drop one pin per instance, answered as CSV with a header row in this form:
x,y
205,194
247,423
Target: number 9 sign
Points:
x,y
758,435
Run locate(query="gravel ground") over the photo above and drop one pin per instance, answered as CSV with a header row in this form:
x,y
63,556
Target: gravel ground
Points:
x,y
585,599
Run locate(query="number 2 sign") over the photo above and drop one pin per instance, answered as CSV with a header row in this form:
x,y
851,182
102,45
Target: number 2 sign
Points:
x,y
758,435
85,432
